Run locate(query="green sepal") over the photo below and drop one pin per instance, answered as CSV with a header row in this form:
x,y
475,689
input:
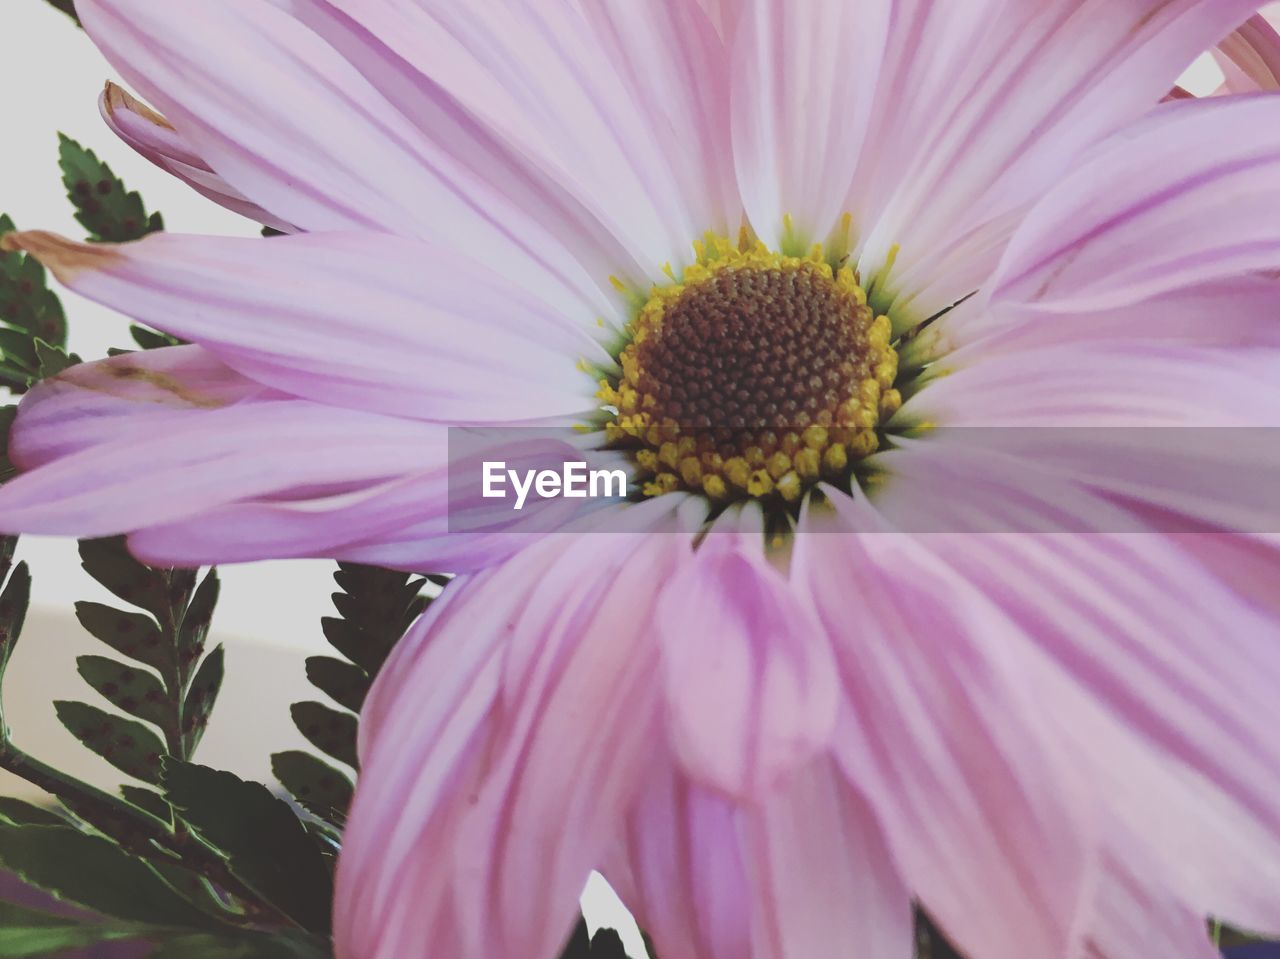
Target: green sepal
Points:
x,y
263,841
129,746
104,205
319,788
330,731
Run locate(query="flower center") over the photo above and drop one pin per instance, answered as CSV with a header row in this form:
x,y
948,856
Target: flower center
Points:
x,y
754,376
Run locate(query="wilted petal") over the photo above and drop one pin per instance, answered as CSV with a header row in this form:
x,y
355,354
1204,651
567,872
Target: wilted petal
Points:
x,y
155,138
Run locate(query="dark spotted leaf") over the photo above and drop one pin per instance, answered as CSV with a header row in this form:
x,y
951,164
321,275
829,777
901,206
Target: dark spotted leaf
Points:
x,y
95,873
345,683
135,690
111,564
200,699
319,788
376,606
196,622
264,843
14,600
104,206
330,731
129,746
30,311
148,800
134,635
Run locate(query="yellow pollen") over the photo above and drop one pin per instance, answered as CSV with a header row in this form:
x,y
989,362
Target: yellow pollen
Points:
x,y
755,375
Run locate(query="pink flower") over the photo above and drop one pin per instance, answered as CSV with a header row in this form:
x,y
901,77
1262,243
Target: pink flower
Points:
x,y
1055,734
1250,57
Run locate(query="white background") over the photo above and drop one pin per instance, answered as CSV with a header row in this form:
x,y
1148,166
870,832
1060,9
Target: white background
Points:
x,y
269,613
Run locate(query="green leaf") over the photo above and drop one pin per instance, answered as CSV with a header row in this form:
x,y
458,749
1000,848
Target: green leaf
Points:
x,y
30,311
151,339
200,699
136,691
330,731
129,746
52,360
95,873
111,564
345,683
104,206
66,6
14,600
196,622
30,932
279,946
134,635
7,470
376,606
319,788
15,812
148,800
264,843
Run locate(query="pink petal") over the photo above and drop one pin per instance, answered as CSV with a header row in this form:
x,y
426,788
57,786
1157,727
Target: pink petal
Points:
x,y
985,105
1150,214
804,79
362,320
750,684
457,836
823,878
156,470
592,96
92,403
155,138
948,746
1137,920
683,874
287,121
1158,678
